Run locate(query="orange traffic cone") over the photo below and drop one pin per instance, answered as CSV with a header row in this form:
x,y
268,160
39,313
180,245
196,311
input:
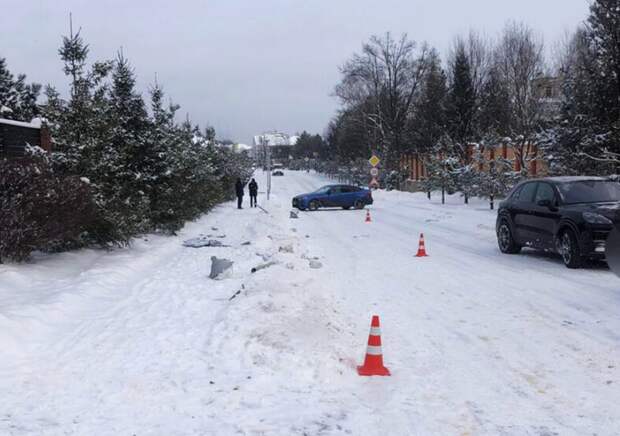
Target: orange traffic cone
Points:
x,y
373,363
421,248
368,220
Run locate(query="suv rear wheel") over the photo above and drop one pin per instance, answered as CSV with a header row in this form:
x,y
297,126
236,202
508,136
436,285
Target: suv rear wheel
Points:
x,y
570,251
359,204
505,240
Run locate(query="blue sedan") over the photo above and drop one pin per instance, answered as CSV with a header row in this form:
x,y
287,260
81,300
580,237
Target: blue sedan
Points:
x,y
344,196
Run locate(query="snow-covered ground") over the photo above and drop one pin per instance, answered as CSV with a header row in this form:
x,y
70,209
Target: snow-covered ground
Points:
x,y
140,342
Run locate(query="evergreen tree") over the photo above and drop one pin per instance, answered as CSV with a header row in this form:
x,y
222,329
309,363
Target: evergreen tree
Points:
x,y
496,181
443,166
311,146
586,137
461,104
604,35
123,170
18,99
461,109
429,121
348,138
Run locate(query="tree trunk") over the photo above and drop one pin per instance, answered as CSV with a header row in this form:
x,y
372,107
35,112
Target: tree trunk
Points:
x,y
466,199
428,194
443,195
491,202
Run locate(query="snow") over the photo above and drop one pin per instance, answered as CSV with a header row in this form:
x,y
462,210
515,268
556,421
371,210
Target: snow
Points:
x,y
34,125
569,179
140,340
37,122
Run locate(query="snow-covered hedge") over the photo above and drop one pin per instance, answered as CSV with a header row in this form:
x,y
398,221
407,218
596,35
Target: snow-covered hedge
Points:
x,y
41,210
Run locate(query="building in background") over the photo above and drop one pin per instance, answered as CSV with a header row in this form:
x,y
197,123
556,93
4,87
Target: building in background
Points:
x,y
548,90
280,146
15,136
241,148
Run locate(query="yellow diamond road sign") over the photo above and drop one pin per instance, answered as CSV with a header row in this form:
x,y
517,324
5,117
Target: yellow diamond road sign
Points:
x,y
374,160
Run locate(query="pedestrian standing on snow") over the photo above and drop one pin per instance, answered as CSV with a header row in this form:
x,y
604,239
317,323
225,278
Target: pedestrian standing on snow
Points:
x,y
253,187
239,190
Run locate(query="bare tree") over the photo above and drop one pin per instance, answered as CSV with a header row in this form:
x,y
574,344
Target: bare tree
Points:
x,y
519,58
382,83
479,54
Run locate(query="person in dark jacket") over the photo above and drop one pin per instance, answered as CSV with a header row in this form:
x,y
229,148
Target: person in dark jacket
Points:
x,y
253,187
239,190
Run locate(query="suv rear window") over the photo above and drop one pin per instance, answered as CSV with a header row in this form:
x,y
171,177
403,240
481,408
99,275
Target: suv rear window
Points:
x,y
590,191
545,192
526,193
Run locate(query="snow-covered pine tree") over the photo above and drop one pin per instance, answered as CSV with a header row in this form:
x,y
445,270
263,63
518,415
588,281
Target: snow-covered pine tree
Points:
x,y
466,177
78,124
585,139
18,99
123,172
496,180
442,165
604,35
163,168
145,172
6,89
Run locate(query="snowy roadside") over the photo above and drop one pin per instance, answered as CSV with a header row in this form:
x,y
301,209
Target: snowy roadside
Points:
x,y
140,341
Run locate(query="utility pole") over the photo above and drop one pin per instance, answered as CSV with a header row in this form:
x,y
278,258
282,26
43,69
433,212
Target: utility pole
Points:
x,y
267,164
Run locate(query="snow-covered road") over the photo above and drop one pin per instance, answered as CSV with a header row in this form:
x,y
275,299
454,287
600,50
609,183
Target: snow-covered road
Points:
x,y
140,341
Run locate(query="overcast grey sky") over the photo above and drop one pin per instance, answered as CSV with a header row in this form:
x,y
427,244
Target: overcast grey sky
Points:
x,y
245,66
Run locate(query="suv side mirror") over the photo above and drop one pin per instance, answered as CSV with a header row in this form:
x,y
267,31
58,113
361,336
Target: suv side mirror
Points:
x,y
550,204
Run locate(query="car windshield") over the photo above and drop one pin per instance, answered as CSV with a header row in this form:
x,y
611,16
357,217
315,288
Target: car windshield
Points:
x,y
590,191
323,190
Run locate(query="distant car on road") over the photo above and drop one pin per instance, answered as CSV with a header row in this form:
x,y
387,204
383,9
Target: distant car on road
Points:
x,y
571,216
344,196
277,173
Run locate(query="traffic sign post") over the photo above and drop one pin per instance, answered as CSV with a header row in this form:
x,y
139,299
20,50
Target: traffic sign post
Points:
x,y
374,160
374,171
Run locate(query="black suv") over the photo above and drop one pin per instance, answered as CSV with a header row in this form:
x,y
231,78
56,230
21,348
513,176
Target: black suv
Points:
x,y
571,216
